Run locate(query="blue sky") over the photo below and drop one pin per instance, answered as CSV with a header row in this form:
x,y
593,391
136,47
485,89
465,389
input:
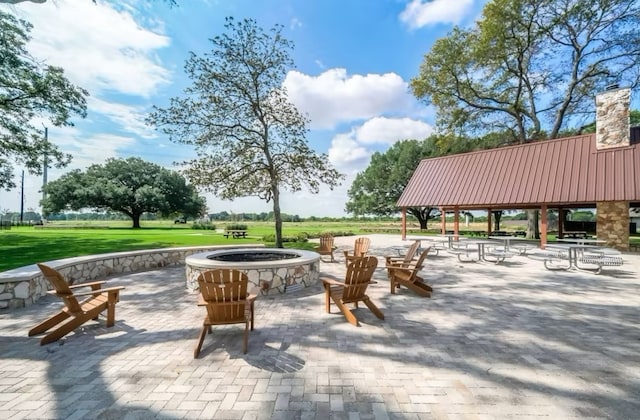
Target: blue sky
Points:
x,y
354,60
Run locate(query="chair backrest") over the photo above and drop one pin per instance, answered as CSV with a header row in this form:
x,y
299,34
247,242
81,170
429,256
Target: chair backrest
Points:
x,y
359,274
61,287
361,247
225,292
411,252
326,242
420,261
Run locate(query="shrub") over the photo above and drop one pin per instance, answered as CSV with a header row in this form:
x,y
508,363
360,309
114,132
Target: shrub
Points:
x,y
203,226
236,226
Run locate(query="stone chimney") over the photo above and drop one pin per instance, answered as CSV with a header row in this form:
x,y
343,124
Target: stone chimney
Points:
x,y
612,118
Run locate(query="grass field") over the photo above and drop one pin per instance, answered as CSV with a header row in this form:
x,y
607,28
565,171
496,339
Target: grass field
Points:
x,y
27,245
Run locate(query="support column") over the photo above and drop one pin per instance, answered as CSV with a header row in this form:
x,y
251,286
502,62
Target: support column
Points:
x,y
403,228
443,221
612,224
543,227
456,222
561,215
489,227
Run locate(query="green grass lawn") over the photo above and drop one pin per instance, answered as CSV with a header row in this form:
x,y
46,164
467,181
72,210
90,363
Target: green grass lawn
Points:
x,y
27,245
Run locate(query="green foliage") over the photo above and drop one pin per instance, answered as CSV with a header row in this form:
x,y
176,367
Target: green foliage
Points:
x,y
30,91
249,138
203,226
236,226
129,186
582,216
300,238
527,63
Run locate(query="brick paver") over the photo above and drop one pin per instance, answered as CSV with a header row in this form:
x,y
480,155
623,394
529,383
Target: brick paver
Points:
x,y
505,341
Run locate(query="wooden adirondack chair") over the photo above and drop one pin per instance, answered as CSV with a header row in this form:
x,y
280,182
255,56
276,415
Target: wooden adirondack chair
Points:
x,y
326,246
409,256
75,313
407,275
224,294
360,249
353,289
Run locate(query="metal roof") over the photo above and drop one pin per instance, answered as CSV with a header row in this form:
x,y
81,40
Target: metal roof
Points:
x,y
563,172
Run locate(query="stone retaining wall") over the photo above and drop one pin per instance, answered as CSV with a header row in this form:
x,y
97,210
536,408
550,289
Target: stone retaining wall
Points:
x,y
25,285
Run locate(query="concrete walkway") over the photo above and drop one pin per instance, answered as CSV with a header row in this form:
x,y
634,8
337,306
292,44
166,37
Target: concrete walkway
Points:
x,y
495,341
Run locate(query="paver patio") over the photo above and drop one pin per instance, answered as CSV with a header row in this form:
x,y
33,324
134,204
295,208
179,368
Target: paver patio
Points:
x,y
495,341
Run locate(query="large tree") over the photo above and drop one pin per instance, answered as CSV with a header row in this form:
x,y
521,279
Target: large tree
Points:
x,y
30,90
531,68
131,186
377,189
249,138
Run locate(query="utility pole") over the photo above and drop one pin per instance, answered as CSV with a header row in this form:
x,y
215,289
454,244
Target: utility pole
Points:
x,y
22,199
45,165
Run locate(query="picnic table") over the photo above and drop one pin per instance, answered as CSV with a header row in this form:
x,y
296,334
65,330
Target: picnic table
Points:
x,y
575,255
235,234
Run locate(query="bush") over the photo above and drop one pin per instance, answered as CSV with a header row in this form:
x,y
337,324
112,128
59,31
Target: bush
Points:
x,y
301,237
236,226
203,226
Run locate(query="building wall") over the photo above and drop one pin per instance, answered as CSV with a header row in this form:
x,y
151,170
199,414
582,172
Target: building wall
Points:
x,y
613,224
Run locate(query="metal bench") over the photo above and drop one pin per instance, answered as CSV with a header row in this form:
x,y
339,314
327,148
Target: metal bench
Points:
x,y
601,261
467,252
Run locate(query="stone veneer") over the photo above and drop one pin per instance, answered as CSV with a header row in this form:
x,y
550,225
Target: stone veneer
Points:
x,y
284,276
25,285
613,224
612,118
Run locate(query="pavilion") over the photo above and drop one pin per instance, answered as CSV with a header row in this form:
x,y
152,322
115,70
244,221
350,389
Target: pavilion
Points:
x,y
600,170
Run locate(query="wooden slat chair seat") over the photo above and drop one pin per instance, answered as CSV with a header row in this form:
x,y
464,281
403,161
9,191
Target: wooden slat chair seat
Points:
x,y
326,246
75,313
408,276
353,289
360,249
224,294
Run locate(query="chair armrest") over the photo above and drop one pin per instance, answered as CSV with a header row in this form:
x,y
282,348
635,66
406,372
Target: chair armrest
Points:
x,y
329,280
88,284
89,292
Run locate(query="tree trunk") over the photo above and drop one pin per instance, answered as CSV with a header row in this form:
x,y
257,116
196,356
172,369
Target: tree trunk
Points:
x,y
533,230
136,220
497,215
278,217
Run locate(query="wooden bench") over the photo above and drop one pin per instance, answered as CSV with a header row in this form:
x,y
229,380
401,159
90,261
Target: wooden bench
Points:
x,y
235,234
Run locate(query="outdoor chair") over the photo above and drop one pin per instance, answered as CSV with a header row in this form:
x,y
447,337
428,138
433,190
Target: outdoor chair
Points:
x,y
326,246
407,276
224,294
360,249
408,257
353,289
75,313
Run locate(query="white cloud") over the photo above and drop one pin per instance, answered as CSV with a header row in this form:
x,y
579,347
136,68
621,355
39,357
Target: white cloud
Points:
x,y
334,97
421,13
390,130
130,118
345,151
295,23
80,36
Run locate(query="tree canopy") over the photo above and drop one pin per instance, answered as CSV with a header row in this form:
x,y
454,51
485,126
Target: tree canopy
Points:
x,y
530,67
130,186
249,138
29,90
376,190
